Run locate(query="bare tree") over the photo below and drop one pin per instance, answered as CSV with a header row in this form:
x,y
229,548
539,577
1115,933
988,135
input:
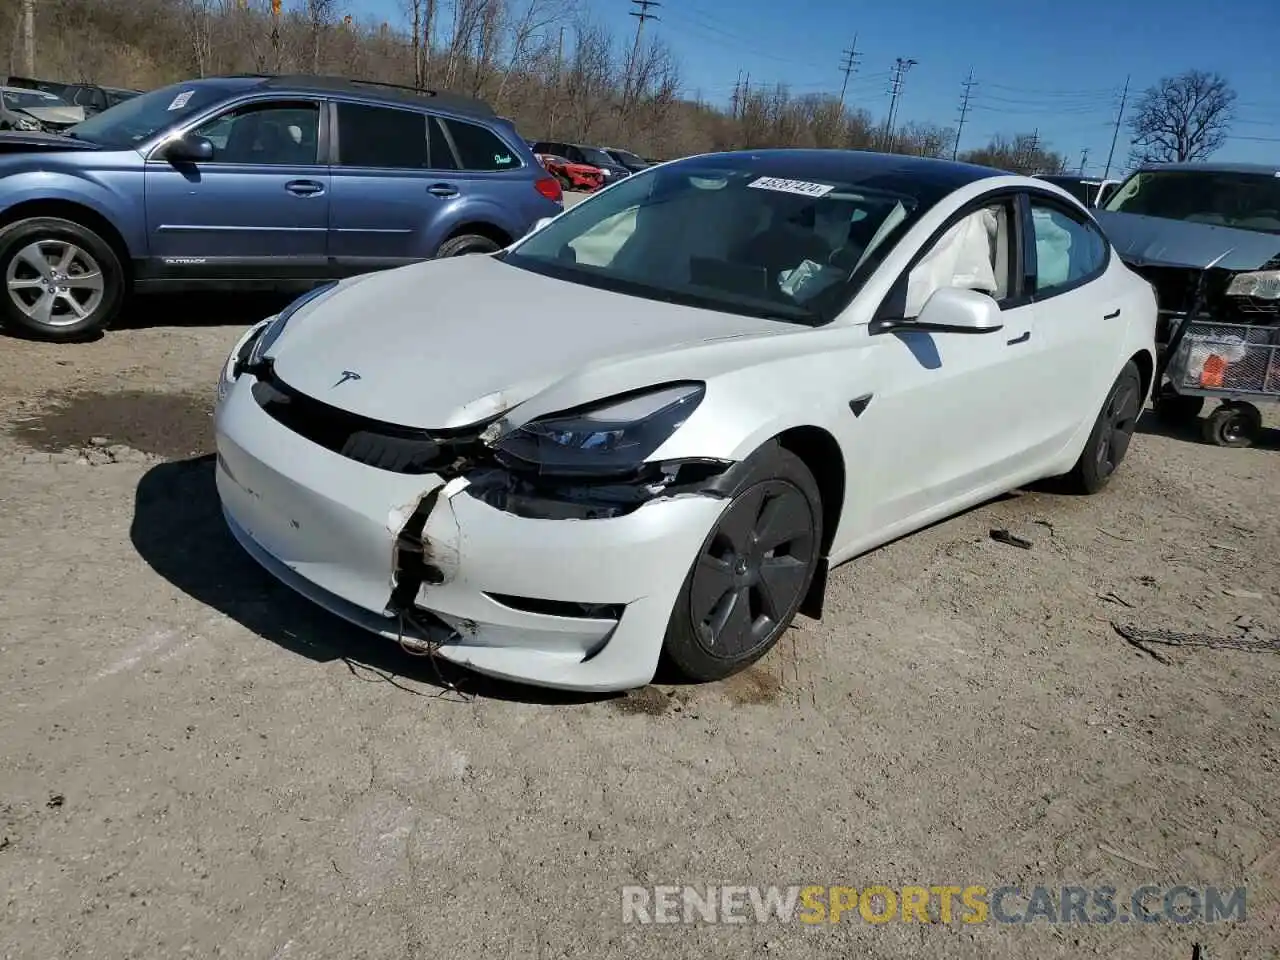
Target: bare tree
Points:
x,y
319,12
1182,118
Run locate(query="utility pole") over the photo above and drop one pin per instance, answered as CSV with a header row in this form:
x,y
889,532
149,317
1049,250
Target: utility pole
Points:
x,y
968,85
1084,159
900,67
737,94
1124,97
641,16
29,37
849,64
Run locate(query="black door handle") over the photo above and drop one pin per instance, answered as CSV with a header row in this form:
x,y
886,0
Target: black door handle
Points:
x,y
304,188
1113,314
1022,339
444,190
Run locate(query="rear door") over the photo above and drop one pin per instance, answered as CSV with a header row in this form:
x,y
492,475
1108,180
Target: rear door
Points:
x,y
258,210
394,179
1079,322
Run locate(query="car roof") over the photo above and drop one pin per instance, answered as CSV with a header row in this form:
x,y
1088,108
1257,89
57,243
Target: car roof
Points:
x,y
891,171
35,90
1262,168
365,89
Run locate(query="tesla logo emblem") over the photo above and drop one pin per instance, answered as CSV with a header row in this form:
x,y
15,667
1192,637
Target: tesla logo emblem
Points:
x,y
346,375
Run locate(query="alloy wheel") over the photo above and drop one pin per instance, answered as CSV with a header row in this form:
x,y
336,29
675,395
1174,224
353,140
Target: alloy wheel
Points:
x,y
55,282
751,575
1119,421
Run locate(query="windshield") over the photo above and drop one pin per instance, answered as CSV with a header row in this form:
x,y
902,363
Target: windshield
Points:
x,y
725,238
596,156
1245,201
629,159
21,99
139,118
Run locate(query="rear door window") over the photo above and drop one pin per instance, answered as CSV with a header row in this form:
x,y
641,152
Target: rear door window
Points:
x,y
383,137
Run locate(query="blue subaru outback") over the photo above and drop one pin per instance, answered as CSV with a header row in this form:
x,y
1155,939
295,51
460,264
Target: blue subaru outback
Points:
x,y
253,182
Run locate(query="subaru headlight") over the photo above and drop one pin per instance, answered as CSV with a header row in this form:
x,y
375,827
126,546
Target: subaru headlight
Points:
x,y
275,327
610,438
1263,284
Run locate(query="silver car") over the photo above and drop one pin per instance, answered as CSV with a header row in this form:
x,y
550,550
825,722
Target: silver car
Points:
x,y
36,110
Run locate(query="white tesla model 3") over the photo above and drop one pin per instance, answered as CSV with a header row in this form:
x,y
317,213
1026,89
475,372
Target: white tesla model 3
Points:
x,y
648,429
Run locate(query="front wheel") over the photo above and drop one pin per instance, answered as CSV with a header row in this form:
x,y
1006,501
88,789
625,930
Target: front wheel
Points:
x,y
62,280
752,572
467,243
1109,440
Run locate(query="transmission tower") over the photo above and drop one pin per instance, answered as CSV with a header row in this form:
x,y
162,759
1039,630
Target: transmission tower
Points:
x,y
900,67
642,14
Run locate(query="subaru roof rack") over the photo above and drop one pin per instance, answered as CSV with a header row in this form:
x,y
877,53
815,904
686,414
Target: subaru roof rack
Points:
x,y
395,91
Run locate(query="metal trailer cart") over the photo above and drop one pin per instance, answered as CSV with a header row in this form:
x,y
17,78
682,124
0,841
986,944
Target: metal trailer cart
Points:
x,y
1239,364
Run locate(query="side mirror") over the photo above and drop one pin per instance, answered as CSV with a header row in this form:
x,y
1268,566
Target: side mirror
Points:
x,y
949,310
191,148
959,310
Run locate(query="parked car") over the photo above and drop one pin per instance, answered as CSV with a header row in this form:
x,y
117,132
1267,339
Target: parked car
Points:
x,y
671,409
1092,193
253,181
1202,230
572,176
36,110
91,96
625,158
577,153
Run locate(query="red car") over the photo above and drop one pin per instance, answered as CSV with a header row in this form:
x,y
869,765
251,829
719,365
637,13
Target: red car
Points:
x,y
572,176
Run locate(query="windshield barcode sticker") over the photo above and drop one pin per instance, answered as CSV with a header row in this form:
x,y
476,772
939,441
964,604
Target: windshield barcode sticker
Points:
x,y
802,187
181,99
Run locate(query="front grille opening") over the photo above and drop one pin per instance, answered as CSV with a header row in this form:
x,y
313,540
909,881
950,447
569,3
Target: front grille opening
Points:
x,y
560,608
375,443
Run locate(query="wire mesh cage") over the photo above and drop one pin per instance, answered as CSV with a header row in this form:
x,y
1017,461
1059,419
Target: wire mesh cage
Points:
x,y
1228,358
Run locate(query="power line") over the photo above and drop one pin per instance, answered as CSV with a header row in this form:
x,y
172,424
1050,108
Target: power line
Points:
x,y
968,85
1115,133
848,64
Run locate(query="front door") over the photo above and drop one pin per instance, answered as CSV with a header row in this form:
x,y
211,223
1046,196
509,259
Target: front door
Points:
x,y
258,210
943,414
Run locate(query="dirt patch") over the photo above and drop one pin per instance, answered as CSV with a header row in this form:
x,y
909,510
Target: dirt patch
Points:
x,y
752,686
647,701
167,425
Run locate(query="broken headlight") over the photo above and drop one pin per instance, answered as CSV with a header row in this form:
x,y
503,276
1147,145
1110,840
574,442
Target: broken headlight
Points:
x,y
1263,284
606,439
266,340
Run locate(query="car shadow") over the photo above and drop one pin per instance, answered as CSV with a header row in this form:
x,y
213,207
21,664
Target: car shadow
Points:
x,y
1151,425
199,310
178,529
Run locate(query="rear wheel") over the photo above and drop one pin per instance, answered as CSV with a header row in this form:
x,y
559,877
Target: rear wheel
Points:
x,y
1109,440
467,243
62,280
752,572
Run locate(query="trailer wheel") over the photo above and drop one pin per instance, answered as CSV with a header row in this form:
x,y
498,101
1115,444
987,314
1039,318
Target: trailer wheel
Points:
x,y
1232,425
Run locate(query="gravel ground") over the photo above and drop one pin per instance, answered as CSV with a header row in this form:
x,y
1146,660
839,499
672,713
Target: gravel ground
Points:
x,y
196,762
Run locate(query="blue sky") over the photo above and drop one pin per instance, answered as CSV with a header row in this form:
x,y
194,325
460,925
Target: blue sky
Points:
x,y
1035,67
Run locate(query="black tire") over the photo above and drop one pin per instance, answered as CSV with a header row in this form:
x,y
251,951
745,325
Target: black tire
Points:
x,y
52,237
467,243
1109,440
1177,410
565,182
729,574
1232,425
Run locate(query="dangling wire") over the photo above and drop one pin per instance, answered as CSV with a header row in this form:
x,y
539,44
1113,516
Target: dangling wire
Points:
x,y
428,649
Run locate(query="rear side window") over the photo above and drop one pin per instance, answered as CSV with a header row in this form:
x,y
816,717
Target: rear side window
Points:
x,y
381,137
480,149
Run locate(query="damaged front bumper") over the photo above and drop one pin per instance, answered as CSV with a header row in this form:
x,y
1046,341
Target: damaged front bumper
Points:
x,y
560,589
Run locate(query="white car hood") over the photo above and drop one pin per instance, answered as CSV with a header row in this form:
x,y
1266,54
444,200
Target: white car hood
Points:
x,y
447,343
